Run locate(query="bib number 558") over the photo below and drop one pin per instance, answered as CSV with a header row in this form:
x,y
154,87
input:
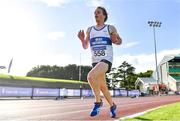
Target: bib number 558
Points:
x,y
99,53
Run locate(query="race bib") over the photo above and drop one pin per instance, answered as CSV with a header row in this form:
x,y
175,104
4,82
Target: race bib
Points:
x,y
99,51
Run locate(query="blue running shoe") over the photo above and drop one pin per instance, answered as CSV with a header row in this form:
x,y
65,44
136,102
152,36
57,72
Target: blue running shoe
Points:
x,y
96,109
113,111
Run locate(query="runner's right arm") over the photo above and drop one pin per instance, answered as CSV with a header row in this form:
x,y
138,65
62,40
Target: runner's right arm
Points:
x,y
84,40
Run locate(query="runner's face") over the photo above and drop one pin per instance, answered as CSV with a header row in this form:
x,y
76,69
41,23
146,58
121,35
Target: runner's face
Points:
x,y
99,16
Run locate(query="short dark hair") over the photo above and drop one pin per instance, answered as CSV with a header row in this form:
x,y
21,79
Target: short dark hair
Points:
x,y
104,12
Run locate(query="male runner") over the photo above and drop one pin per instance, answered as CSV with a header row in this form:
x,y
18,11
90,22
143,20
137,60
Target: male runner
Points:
x,y
100,38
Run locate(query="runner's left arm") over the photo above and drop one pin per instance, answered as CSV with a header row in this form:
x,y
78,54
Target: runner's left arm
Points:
x,y
116,39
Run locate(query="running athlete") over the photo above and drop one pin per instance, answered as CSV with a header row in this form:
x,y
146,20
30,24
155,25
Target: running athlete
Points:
x,y
100,38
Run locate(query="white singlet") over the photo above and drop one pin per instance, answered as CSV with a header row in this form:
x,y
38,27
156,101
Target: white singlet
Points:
x,y
101,44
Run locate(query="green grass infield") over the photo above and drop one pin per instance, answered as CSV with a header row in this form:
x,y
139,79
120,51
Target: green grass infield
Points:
x,y
170,112
3,76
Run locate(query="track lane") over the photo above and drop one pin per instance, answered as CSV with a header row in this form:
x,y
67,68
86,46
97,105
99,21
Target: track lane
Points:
x,y
76,109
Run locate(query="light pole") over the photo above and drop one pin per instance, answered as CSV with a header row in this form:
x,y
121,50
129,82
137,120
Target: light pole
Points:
x,y
155,24
80,68
2,67
81,86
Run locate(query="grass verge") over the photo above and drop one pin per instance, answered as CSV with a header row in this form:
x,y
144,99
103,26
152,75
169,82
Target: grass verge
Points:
x,y
3,76
169,112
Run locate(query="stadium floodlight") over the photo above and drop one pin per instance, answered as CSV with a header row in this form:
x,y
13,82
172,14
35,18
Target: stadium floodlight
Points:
x,y
155,24
2,67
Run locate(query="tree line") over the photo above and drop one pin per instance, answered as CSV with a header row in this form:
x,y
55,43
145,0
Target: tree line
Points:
x,y
69,72
123,76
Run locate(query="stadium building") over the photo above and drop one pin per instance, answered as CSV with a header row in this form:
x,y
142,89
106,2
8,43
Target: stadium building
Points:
x,y
169,72
145,84
169,75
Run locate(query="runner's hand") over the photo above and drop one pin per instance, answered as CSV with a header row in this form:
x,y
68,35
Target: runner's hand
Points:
x,y
81,35
114,37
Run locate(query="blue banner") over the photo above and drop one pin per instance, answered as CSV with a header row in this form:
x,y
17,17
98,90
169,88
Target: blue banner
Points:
x,y
134,93
117,92
87,93
46,92
123,93
76,92
15,91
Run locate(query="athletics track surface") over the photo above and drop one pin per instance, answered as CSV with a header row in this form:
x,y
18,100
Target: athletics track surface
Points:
x,y
76,109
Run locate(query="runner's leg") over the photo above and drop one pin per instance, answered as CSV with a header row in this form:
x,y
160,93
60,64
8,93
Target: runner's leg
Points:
x,y
92,77
104,89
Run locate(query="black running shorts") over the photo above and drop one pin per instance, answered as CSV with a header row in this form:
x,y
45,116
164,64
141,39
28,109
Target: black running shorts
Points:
x,y
105,61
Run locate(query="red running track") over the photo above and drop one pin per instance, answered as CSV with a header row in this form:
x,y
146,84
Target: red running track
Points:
x,y
76,109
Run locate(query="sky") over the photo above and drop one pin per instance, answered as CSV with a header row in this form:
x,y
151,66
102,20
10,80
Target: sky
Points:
x,y
44,32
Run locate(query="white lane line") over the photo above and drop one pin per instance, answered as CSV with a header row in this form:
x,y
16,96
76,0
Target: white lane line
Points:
x,y
138,114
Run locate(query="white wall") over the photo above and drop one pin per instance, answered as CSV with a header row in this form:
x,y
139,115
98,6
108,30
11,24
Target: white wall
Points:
x,y
172,83
164,73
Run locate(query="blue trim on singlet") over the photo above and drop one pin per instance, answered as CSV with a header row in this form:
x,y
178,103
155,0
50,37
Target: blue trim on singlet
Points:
x,y
100,41
99,29
99,48
90,29
109,29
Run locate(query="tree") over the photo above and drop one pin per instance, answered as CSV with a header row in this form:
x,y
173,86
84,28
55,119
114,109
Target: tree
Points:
x,y
111,78
148,73
123,75
70,72
84,72
126,74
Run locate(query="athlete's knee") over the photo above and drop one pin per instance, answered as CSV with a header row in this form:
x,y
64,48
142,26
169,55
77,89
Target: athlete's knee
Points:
x,y
90,76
